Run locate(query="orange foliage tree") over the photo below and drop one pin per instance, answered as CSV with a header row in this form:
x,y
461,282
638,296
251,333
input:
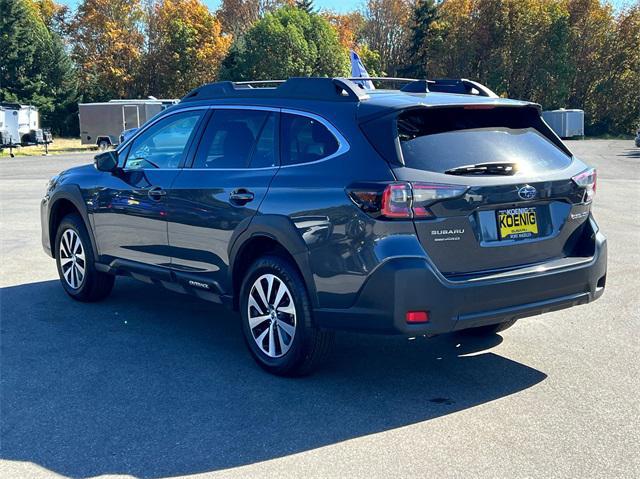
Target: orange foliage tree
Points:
x,y
107,43
347,25
185,47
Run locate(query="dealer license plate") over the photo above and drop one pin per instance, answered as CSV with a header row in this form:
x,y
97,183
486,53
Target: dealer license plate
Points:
x,y
517,223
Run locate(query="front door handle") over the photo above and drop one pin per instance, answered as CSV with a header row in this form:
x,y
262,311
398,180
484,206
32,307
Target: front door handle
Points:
x,y
156,193
241,196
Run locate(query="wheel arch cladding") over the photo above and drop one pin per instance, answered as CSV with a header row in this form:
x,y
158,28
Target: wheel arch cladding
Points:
x,y
269,234
63,203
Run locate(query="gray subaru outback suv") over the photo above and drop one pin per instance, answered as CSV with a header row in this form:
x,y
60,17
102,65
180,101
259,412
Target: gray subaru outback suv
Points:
x,y
314,205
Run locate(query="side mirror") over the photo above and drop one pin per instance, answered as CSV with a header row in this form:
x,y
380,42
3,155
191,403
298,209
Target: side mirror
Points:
x,y
107,161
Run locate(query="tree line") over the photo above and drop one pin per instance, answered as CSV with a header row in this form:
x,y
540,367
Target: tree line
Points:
x,y
559,53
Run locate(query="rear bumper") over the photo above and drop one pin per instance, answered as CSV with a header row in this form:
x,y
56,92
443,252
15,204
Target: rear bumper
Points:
x,y
413,284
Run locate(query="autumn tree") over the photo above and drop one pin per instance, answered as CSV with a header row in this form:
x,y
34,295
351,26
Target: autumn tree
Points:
x,y
387,31
610,93
54,15
560,53
348,26
287,42
107,47
237,16
185,48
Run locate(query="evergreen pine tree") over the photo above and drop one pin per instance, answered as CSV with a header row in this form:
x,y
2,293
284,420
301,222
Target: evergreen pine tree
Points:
x,y
425,13
35,68
306,5
18,50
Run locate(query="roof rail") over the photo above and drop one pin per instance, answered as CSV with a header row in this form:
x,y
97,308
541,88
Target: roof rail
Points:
x,y
389,79
328,89
460,86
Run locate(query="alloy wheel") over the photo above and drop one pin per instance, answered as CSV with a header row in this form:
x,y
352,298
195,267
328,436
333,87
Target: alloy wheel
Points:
x,y
272,315
72,258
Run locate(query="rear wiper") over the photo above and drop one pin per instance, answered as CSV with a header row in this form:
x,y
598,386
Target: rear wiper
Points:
x,y
484,169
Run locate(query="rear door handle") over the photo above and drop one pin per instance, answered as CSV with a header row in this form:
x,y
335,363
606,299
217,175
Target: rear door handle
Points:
x,y
156,193
241,196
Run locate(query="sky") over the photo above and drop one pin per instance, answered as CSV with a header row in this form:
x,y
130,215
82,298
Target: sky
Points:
x,y
336,5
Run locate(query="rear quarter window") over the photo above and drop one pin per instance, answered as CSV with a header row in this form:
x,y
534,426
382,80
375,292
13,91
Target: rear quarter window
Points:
x,y
305,140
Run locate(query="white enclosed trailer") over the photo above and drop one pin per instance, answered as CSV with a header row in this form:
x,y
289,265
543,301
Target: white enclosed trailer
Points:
x,y
20,126
102,123
28,120
9,125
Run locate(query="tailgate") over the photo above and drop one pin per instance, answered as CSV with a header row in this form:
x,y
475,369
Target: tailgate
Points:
x,y
492,228
521,204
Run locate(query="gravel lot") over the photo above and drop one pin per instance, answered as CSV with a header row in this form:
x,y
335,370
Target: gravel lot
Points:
x,y
153,384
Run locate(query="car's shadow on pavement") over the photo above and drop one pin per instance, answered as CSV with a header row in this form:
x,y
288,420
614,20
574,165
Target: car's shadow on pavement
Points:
x,y
632,153
151,383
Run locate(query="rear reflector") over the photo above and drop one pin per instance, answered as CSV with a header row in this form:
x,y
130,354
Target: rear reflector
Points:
x,y
417,316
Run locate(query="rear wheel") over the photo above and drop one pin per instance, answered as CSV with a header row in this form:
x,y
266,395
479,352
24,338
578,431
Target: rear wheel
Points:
x,y
277,320
489,329
74,258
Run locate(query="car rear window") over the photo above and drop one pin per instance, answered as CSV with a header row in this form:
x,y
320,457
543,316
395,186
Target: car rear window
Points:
x,y
442,139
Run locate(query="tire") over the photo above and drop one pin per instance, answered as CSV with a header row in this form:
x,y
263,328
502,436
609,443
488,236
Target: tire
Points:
x,y
103,145
282,338
76,266
489,329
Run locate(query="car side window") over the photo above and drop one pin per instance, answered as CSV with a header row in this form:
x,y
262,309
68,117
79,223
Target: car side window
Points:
x,y
164,144
266,151
305,140
238,139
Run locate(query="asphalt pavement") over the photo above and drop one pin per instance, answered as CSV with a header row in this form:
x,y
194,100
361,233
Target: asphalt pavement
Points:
x,y
153,384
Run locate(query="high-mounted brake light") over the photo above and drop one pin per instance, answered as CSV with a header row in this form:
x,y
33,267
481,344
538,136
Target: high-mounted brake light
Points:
x,y
479,107
401,200
588,180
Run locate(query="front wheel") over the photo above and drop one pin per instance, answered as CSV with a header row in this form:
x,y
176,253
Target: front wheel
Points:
x,y
277,319
74,259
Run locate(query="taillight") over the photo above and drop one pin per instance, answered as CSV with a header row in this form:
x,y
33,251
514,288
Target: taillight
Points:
x,y
396,201
401,200
425,194
587,180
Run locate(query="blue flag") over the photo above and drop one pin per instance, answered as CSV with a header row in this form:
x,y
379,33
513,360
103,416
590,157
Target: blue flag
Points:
x,y
358,70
